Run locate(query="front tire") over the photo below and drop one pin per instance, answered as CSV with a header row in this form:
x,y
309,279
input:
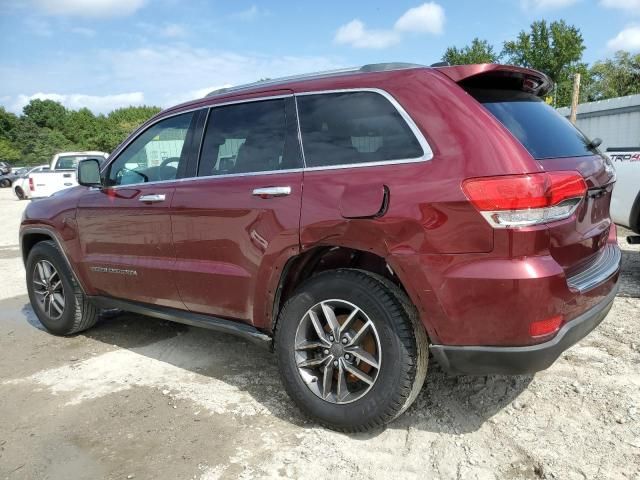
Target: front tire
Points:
x,y
5,183
56,297
351,351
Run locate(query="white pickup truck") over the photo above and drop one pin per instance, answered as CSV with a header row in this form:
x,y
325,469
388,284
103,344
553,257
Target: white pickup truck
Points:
x,y
625,202
61,173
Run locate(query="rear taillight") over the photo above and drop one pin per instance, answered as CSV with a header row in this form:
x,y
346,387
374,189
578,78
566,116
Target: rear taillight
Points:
x,y
31,184
521,200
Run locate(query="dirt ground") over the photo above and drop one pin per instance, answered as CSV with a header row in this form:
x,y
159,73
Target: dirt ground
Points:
x,y
140,398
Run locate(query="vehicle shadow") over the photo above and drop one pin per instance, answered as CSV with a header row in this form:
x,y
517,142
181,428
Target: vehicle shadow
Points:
x,y
446,404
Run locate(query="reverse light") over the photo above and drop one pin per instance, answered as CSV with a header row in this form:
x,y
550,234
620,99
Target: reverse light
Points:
x,y
512,201
544,327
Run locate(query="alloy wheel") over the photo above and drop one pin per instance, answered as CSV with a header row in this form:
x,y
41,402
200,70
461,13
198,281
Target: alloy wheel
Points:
x,y
48,289
337,351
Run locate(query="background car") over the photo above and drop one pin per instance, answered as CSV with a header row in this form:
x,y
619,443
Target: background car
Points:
x,y
21,182
61,173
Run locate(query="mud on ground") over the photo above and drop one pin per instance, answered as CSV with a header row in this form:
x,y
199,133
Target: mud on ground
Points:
x,y
141,398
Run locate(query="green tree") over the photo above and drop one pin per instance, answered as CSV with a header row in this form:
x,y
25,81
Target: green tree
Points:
x,y
80,127
45,113
8,152
114,128
479,51
8,122
615,77
38,144
555,49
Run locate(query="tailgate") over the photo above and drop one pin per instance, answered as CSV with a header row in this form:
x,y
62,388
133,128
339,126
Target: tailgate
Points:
x,y
579,240
576,241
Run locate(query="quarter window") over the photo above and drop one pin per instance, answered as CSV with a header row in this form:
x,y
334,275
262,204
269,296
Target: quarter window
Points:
x,y
353,127
155,155
245,138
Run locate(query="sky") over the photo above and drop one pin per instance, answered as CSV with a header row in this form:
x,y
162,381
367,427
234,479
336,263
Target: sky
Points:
x,y
106,54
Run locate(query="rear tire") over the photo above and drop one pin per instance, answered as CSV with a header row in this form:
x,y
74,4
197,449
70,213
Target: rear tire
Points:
x,y
394,340
56,297
19,193
5,183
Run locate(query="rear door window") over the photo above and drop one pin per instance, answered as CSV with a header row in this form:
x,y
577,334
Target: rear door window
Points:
x,y
539,128
346,128
250,137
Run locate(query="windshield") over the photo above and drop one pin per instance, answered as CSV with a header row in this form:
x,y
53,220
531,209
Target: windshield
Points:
x,y
541,130
70,162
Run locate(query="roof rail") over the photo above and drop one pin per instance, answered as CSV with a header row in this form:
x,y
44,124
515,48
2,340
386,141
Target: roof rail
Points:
x,y
369,68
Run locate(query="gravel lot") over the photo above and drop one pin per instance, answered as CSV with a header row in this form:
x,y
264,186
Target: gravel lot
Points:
x,y
141,398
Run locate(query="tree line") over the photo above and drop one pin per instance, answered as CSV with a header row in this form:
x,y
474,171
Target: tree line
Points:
x,y
556,49
46,127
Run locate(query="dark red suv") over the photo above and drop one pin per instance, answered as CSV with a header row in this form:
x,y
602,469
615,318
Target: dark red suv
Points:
x,y
354,221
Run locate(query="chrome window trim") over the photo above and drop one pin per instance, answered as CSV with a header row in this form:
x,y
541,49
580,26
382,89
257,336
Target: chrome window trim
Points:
x,y
427,152
132,138
424,144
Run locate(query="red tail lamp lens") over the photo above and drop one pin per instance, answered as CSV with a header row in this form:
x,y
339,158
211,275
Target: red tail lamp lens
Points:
x,y
545,327
31,184
519,192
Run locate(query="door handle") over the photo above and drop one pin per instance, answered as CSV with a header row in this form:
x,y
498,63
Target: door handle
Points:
x,y
268,192
152,198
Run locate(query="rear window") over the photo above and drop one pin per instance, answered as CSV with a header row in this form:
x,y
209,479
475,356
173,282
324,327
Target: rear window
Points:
x,y
541,130
70,162
353,127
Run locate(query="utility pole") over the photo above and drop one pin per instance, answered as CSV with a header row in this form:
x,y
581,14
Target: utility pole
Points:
x,y
574,98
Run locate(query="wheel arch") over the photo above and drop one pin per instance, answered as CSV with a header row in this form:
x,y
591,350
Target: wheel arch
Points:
x,y
318,259
31,236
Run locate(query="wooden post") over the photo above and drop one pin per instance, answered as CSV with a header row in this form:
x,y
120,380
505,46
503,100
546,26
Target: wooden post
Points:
x,y
574,98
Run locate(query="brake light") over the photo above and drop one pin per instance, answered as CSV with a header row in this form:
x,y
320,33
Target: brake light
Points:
x,y
31,184
523,200
545,327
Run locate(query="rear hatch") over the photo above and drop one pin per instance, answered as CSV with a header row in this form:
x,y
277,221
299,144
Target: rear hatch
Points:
x,y
513,96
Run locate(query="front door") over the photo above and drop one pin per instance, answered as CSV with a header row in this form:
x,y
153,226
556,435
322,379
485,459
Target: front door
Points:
x,y
125,228
237,221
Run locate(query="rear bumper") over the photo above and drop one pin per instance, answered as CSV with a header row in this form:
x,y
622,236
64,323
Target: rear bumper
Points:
x,y
481,360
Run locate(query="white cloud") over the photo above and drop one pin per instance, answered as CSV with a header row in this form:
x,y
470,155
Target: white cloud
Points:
x,y
627,39
38,27
90,8
158,72
357,35
95,103
196,93
161,70
173,30
427,18
87,32
632,6
546,4
249,14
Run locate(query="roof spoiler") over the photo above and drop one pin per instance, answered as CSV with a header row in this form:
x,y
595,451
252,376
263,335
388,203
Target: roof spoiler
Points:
x,y
485,75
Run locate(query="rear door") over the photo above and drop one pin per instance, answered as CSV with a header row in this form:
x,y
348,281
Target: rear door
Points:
x,y
238,220
125,228
558,146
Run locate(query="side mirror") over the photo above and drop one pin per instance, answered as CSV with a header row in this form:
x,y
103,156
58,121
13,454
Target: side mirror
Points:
x,y
89,173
